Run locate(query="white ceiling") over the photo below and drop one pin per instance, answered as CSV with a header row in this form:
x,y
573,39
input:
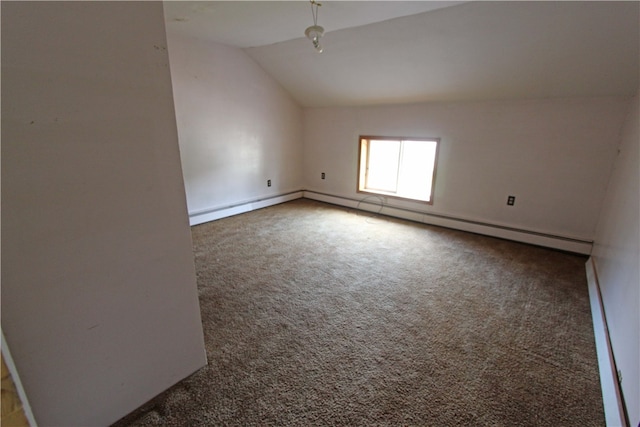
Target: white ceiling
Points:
x,y
259,23
379,52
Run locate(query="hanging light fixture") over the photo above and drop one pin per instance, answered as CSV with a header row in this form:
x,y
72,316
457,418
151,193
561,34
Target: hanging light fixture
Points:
x,y
315,31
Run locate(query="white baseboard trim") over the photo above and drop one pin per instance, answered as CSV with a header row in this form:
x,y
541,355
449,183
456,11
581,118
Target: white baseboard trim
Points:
x,y
525,236
611,396
200,217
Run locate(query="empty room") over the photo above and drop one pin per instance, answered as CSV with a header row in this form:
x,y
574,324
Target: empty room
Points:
x,y
320,213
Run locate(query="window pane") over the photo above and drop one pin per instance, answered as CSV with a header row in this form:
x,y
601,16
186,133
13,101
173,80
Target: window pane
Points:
x,y
416,169
382,173
397,167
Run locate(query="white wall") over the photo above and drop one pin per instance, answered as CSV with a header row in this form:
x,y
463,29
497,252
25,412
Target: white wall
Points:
x,y
617,257
99,300
553,155
237,126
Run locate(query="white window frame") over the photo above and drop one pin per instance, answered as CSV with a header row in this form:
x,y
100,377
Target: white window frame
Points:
x,y
363,167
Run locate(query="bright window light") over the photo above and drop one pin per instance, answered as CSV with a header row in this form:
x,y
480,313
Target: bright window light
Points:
x,y
399,167
383,165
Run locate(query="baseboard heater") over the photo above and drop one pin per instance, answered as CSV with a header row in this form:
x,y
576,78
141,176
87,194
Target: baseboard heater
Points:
x,y
206,215
570,244
612,397
581,246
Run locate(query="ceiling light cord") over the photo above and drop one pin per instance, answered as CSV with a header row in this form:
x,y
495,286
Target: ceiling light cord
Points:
x,y
314,12
314,32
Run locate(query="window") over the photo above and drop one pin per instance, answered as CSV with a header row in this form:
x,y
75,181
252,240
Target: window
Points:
x,y
400,167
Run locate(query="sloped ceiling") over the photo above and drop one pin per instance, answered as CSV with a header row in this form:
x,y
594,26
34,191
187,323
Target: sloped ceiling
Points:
x,y
398,52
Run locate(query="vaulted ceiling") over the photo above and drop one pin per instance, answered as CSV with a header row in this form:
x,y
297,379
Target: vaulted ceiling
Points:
x,y
381,52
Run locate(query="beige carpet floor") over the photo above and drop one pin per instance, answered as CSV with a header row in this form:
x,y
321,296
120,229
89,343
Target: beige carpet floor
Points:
x,y
319,315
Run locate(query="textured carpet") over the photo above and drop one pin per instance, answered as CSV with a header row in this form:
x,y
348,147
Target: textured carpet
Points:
x,y
319,315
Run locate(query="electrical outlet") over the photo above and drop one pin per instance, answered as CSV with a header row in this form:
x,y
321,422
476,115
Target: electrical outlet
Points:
x,y
268,183
322,175
511,200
